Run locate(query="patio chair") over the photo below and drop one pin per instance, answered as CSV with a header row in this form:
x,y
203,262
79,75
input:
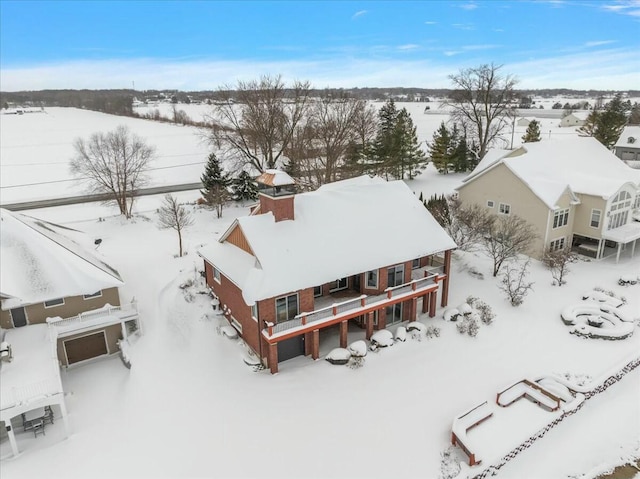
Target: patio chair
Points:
x,y
38,427
48,415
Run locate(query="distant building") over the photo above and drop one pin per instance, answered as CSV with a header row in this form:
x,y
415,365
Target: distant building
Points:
x,y
627,148
577,118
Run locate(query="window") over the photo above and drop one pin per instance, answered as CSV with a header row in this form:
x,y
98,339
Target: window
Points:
x,y
557,244
53,302
504,209
254,310
216,274
490,204
395,276
372,279
93,295
636,203
236,324
339,284
619,211
317,291
595,218
415,264
561,218
286,308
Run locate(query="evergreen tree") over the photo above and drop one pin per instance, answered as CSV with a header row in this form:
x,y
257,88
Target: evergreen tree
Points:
x,y
606,125
216,185
244,188
408,157
440,148
634,117
439,209
386,139
533,132
461,155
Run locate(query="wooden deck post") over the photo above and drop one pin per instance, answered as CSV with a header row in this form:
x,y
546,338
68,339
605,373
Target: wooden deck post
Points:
x,y
273,357
425,303
432,303
445,283
369,325
343,333
413,311
315,344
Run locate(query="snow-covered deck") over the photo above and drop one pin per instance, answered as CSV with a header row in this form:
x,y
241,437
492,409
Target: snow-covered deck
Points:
x,y
32,379
624,235
350,308
89,320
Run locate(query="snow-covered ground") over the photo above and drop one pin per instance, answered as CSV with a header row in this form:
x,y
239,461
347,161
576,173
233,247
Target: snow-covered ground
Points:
x,y
190,407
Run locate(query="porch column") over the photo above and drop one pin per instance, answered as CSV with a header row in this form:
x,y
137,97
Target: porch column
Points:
x,y
432,303
600,251
308,343
369,325
315,344
12,437
633,247
273,357
343,333
425,303
445,283
382,319
63,413
413,309
618,254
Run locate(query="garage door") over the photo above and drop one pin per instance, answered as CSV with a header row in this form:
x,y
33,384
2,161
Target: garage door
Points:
x,y
290,348
86,347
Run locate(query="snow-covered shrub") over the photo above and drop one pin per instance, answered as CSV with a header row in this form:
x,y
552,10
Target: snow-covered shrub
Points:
x,y
628,280
358,349
338,356
469,325
401,334
465,309
433,331
381,339
187,284
228,331
486,313
472,301
356,362
475,273
449,463
514,283
451,314
462,326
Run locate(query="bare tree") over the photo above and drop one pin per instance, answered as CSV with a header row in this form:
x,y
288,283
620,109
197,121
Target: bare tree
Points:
x,y
506,238
115,163
558,262
255,122
174,216
481,102
468,224
515,284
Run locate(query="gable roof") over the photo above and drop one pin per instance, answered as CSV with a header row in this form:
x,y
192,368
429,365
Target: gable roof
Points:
x,y
343,228
40,261
629,131
549,167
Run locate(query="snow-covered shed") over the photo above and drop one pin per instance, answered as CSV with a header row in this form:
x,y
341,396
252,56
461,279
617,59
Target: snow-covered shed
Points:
x,y
358,239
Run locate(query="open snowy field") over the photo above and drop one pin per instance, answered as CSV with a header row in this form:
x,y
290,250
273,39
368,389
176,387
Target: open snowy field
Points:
x,y
35,148
190,407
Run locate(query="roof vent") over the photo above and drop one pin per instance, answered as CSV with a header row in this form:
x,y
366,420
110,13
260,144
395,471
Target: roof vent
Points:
x,y
631,139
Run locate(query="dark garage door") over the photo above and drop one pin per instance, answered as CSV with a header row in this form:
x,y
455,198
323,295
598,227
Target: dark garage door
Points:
x,y
290,348
86,347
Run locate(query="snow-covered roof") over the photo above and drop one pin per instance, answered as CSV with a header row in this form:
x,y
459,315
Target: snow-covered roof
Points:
x,y
549,167
275,178
40,261
581,115
341,229
630,137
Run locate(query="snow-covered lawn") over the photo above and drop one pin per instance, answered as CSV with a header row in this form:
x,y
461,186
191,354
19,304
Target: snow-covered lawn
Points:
x,y
190,406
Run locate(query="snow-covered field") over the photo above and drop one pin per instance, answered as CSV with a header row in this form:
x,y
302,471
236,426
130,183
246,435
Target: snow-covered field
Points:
x,y
190,407
35,148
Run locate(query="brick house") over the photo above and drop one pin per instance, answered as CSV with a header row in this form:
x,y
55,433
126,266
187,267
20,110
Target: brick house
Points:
x,y
362,251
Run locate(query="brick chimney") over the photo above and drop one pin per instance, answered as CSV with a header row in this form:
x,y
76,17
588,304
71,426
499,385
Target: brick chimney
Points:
x,y
276,190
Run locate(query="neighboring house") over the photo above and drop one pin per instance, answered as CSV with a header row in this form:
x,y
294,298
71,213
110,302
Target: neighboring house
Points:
x,y
627,148
361,252
574,192
577,118
51,275
523,121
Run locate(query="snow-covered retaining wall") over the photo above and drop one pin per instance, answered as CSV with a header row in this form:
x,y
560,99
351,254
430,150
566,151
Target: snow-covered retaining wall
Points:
x,y
580,401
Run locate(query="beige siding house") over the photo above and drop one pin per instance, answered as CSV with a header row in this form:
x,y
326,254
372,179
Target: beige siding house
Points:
x,y
574,192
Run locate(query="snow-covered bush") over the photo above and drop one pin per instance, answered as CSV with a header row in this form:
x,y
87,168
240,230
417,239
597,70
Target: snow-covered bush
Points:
x,y
472,301
338,356
465,309
227,331
433,331
451,314
449,463
469,325
486,313
475,273
358,349
514,283
610,293
381,339
628,280
401,334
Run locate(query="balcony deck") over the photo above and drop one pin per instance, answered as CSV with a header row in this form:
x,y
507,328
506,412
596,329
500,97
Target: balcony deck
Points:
x,y
350,308
92,319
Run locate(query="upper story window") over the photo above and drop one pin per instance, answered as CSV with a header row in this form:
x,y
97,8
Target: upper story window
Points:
x,y
254,311
372,278
317,291
286,307
339,284
636,203
92,295
595,218
504,209
490,203
415,264
561,218
216,274
54,302
619,211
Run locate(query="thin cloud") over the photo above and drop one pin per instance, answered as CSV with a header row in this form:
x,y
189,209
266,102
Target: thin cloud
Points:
x,y
430,23
451,53
359,13
408,46
598,43
470,48
468,6
463,26
624,7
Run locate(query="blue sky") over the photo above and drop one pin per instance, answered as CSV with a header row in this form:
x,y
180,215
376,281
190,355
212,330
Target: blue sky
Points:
x,y
206,44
